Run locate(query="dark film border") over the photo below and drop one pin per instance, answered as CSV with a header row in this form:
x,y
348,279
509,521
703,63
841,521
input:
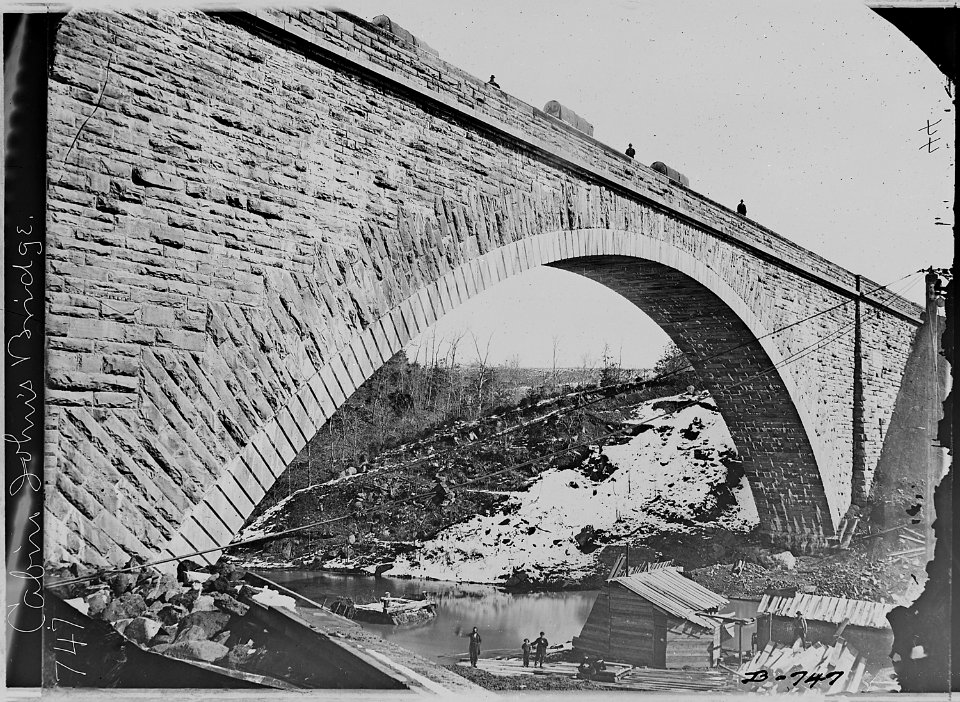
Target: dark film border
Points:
x,y
25,42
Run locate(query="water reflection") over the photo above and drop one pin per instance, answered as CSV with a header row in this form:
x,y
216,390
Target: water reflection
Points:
x,y
503,619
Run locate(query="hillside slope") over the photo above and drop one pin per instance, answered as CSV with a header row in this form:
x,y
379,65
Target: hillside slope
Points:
x,y
545,520
667,479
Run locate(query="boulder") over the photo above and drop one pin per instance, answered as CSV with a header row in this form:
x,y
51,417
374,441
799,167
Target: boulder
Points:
x,y
184,566
219,583
142,630
166,635
229,604
66,573
222,637
98,602
239,656
785,560
122,624
148,575
201,625
196,577
185,599
229,571
122,582
166,588
204,603
127,606
170,615
198,650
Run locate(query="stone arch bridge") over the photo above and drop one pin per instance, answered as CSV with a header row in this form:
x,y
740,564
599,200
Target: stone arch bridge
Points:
x,y
249,213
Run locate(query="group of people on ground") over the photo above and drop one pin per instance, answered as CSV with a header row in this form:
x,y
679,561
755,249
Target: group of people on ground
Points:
x,y
540,650
538,647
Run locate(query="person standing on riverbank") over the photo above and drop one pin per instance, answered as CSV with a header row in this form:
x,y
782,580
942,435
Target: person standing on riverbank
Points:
x,y
800,630
526,653
541,645
474,637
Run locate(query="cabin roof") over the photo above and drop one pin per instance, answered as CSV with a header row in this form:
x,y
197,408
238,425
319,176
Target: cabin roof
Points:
x,y
827,609
670,591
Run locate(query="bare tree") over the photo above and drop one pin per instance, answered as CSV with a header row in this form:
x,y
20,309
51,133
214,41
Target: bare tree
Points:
x,y
512,376
555,341
483,369
586,364
453,385
452,346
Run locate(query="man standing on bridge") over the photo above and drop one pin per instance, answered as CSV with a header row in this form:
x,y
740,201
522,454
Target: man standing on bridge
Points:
x,y
631,152
742,209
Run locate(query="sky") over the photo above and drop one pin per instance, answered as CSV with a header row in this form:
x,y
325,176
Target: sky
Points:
x,y
814,113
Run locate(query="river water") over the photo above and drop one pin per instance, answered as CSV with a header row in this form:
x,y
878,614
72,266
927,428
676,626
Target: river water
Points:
x,y
502,619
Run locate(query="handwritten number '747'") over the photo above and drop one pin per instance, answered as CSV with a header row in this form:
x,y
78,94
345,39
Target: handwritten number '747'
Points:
x,y
759,676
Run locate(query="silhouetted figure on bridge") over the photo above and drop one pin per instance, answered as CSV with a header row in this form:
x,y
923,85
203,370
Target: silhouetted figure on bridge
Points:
x,y
493,83
631,152
742,209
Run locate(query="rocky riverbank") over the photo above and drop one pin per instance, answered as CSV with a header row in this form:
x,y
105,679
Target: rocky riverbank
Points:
x,y
197,614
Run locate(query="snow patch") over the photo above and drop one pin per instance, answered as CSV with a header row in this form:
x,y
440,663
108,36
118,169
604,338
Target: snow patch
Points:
x,y
660,482
271,598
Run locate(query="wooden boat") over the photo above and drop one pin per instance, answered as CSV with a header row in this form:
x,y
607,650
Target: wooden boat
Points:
x,y
398,611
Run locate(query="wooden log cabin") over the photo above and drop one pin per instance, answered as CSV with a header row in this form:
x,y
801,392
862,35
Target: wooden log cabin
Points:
x,y
657,619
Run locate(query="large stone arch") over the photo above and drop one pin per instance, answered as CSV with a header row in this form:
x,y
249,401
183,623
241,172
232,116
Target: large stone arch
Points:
x,y
233,247
789,469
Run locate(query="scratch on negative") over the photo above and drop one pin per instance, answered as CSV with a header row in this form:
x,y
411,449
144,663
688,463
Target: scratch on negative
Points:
x,y
95,108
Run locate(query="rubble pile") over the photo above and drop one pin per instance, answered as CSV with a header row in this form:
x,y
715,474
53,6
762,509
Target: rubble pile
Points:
x,y
854,574
195,614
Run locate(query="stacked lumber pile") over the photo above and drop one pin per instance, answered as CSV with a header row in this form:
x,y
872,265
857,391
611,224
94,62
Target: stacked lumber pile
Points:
x,y
786,663
663,680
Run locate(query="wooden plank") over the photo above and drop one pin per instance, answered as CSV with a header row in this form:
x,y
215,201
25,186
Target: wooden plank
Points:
x,y
857,677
